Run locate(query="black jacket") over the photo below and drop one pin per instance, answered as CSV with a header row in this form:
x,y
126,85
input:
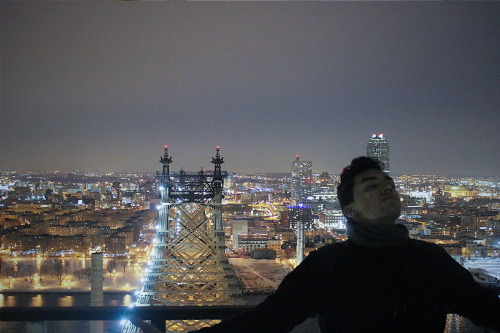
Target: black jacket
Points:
x,y
405,288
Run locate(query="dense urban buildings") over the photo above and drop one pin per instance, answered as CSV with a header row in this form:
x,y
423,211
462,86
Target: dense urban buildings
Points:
x,y
49,213
378,148
51,218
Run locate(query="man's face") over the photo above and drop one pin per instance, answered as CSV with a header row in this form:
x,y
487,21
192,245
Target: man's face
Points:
x,y
375,199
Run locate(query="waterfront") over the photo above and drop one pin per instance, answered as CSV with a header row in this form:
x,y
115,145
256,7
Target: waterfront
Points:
x,y
64,298
33,299
455,324
125,277
260,274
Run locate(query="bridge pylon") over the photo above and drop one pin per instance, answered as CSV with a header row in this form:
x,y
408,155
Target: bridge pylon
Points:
x,y
187,264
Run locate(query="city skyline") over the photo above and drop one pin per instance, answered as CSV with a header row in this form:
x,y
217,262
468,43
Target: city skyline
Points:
x,y
104,86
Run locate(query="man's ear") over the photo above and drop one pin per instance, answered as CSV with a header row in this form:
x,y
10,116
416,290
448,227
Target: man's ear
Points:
x,y
348,211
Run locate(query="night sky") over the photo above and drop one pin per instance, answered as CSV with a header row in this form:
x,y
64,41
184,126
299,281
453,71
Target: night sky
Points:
x,y
105,85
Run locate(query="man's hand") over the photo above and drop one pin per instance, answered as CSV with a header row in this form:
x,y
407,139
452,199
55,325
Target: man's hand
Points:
x,y
145,327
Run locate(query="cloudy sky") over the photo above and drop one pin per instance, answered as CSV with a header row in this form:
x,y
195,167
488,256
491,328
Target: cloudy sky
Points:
x,y
105,85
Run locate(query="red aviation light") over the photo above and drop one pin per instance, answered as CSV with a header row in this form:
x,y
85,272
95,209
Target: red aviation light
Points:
x,y
166,147
217,147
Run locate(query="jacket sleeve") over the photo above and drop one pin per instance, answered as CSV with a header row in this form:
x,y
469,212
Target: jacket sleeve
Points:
x,y
470,299
297,297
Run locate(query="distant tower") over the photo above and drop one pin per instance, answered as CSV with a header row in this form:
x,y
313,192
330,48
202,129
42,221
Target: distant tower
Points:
x,y
301,218
188,265
378,148
116,189
301,179
303,214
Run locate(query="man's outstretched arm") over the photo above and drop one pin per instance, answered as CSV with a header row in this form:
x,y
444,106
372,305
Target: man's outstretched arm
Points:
x,y
297,298
470,299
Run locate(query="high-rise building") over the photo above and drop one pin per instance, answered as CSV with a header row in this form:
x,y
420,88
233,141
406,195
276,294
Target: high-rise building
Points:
x,y
301,219
378,148
301,179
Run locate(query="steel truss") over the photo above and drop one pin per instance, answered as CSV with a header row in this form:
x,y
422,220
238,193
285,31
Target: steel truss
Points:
x,y
187,264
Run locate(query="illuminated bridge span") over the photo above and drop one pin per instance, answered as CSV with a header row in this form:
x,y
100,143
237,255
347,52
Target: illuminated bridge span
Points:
x,y
187,265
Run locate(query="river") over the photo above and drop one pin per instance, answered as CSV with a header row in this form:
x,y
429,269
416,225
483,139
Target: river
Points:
x,y
455,324
60,299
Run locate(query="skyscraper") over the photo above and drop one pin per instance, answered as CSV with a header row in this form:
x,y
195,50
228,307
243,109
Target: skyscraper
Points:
x,y
378,148
301,179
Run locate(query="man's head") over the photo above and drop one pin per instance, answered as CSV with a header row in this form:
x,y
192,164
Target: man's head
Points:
x,y
366,194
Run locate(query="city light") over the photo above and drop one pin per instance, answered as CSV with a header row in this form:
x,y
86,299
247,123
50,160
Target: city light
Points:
x,y
261,206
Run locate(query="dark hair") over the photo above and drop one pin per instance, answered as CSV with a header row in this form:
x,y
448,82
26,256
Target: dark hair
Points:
x,y
358,165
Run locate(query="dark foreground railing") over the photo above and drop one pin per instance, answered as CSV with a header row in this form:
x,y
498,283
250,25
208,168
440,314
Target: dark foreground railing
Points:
x,y
157,314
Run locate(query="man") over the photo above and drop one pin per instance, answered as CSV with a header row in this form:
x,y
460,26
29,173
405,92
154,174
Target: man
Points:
x,y
378,280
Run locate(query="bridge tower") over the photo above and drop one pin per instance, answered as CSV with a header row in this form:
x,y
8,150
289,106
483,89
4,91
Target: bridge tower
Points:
x,y
187,263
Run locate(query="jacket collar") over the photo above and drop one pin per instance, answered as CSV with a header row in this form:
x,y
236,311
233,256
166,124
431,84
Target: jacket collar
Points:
x,y
376,236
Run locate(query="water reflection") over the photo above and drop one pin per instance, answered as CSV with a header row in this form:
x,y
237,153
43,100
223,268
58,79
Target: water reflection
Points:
x,y
10,301
36,300
66,301
28,299
454,323
127,300
115,302
60,299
